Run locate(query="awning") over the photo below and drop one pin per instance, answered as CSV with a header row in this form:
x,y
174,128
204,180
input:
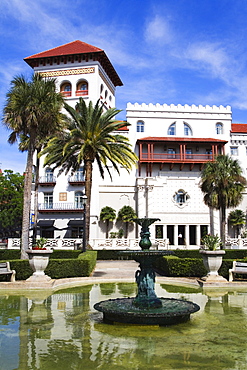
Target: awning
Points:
x,y
75,223
45,223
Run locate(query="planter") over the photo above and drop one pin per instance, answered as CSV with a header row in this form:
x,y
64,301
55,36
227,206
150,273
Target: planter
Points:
x,y
38,260
212,261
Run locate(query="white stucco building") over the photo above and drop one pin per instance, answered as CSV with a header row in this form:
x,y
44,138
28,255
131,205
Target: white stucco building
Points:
x,y
172,143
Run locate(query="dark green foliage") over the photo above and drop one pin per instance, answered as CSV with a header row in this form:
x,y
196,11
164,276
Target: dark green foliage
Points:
x,y
107,254
174,266
22,268
187,253
10,254
59,268
11,202
63,254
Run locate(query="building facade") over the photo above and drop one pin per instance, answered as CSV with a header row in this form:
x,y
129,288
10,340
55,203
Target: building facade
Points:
x,y
173,142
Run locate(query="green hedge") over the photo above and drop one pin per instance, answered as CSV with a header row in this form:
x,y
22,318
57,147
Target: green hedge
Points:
x,y
111,254
10,254
59,268
188,267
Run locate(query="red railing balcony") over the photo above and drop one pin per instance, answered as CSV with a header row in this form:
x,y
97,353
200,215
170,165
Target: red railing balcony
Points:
x,y
175,157
66,93
81,92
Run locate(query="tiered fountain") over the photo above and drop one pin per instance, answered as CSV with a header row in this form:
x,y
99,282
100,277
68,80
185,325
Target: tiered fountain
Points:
x,y
146,308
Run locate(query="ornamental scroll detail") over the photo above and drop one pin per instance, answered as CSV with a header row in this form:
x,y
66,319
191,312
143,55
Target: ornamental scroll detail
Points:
x,y
67,72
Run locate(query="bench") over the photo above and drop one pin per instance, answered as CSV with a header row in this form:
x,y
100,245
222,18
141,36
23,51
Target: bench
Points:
x,y
237,268
5,270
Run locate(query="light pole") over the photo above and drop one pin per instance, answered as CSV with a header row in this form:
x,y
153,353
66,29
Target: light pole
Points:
x,y
84,240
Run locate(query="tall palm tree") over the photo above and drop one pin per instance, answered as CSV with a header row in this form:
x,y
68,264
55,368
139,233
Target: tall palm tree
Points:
x,y
237,218
126,214
91,135
222,184
107,214
33,109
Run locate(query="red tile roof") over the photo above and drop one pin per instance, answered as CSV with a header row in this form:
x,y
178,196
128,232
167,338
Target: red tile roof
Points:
x,y
239,127
184,139
76,48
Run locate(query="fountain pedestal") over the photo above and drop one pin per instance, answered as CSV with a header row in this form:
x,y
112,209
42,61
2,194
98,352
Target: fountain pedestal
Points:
x,y
146,308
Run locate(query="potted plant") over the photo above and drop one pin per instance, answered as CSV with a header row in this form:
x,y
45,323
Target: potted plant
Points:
x,y
40,244
38,260
212,257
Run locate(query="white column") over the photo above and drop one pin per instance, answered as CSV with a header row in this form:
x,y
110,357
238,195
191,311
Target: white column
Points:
x,y
198,241
175,234
187,235
141,199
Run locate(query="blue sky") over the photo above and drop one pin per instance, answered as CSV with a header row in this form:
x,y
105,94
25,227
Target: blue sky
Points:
x,y
165,51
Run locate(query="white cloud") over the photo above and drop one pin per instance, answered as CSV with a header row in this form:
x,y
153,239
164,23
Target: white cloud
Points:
x,y
158,30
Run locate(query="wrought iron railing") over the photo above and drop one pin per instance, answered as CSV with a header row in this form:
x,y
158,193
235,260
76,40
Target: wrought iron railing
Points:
x,y
63,206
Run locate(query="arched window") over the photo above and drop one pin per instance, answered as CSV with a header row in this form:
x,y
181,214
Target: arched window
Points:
x,y
65,89
187,130
219,128
172,129
181,197
140,126
82,88
79,199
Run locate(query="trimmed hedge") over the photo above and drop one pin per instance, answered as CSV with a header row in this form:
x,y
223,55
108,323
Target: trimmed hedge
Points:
x,y
10,254
59,268
111,254
188,267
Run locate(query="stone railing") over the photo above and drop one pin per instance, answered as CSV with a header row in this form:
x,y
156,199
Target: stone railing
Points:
x,y
236,243
132,244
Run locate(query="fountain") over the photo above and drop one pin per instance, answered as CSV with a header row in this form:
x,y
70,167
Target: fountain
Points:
x,y
146,308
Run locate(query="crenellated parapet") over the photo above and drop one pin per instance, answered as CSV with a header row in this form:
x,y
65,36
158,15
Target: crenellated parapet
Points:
x,y
180,108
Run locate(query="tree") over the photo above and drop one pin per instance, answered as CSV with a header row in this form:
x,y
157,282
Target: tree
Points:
x,y
126,215
237,218
33,109
222,184
90,136
11,202
108,215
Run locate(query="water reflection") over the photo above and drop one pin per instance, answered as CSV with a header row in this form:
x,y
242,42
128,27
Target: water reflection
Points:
x,y
63,331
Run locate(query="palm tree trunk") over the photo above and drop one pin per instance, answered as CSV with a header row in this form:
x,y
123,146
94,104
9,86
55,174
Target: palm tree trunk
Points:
x,y
223,225
27,202
36,186
107,229
88,164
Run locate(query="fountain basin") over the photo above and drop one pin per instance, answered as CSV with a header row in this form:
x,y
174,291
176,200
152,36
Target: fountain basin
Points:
x,y
123,310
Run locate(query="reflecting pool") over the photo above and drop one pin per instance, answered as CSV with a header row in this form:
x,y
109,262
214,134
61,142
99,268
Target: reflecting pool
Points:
x,y
62,331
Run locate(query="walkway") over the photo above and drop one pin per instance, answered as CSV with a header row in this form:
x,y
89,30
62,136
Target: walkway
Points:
x,y
106,271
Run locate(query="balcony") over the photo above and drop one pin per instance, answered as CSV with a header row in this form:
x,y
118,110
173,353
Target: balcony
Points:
x,y
61,207
47,180
81,92
66,94
174,157
77,180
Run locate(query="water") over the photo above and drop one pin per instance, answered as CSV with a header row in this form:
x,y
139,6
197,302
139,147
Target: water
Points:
x,y
62,331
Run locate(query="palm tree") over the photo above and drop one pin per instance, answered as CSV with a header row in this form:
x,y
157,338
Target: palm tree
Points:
x,y
237,218
108,215
222,184
126,214
90,136
33,109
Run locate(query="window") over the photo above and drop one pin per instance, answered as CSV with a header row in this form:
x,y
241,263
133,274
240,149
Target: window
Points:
x,y
79,175
78,199
188,153
48,200
48,175
187,130
234,150
140,126
181,197
171,153
62,197
82,88
219,128
172,129
65,89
